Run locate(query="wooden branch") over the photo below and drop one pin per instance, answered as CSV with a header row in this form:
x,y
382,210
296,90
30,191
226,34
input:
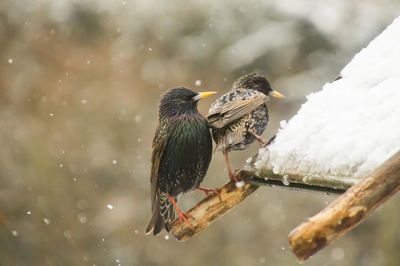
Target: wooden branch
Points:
x,y
210,208
347,211
330,182
284,183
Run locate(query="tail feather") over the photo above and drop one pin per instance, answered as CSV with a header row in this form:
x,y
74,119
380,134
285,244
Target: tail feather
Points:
x,y
155,224
163,215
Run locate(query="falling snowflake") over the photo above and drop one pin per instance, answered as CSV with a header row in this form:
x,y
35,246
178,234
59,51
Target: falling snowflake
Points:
x,y
197,83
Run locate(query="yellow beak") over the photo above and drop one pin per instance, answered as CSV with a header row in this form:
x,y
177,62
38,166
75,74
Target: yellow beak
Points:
x,y
204,94
277,94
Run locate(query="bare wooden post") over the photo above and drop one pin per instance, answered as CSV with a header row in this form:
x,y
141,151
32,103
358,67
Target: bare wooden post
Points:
x,y
347,211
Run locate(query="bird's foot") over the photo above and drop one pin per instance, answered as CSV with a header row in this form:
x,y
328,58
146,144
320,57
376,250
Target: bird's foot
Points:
x,y
184,217
233,176
212,191
271,140
263,142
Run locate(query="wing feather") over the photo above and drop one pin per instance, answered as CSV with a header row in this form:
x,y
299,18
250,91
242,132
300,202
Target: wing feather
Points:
x,y
222,114
159,143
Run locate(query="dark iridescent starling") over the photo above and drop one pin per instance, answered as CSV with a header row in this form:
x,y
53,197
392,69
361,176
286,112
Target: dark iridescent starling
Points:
x,y
240,116
182,149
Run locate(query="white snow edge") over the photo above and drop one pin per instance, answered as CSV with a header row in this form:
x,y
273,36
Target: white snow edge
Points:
x,y
352,125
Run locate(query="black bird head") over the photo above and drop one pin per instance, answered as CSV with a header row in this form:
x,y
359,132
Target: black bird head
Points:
x,y
181,101
257,82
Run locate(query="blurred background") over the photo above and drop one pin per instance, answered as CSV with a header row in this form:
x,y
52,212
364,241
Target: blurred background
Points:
x,y
80,83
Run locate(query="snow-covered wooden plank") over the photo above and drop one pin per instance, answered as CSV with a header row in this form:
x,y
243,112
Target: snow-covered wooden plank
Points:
x,y
294,181
351,126
341,134
346,131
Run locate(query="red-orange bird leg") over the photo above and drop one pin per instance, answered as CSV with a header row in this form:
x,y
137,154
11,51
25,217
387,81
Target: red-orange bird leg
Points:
x,y
260,139
231,172
183,217
213,191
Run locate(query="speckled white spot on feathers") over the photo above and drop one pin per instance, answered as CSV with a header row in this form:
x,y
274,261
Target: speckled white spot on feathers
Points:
x,y
352,125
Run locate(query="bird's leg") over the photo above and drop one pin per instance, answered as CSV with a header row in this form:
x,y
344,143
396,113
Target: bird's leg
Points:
x,y
214,191
231,172
271,140
183,217
260,139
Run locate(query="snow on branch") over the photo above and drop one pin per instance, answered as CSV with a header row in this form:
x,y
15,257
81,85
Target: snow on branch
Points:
x,y
212,207
340,138
348,129
351,126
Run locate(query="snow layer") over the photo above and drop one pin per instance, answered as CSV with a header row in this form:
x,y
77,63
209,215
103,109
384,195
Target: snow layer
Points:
x,y
352,125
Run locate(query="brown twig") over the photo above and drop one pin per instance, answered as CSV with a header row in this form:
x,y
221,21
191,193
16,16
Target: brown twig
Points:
x,y
347,211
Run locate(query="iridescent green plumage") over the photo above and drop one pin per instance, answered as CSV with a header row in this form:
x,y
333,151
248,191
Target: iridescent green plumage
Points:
x,y
182,149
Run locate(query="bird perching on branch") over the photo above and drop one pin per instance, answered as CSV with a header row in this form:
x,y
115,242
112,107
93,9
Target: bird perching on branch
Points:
x,y
239,117
182,149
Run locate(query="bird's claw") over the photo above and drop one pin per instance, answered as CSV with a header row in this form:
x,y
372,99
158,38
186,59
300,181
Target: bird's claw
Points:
x,y
233,176
263,142
185,218
211,191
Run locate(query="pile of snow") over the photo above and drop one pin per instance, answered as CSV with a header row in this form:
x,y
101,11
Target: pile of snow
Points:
x,y
352,125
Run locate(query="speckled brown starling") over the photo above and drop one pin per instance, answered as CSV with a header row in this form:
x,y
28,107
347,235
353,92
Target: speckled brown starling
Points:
x,y
182,149
240,116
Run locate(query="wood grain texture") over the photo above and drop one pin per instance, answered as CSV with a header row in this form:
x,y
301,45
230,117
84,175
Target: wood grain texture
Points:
x,y
347,211
212,207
